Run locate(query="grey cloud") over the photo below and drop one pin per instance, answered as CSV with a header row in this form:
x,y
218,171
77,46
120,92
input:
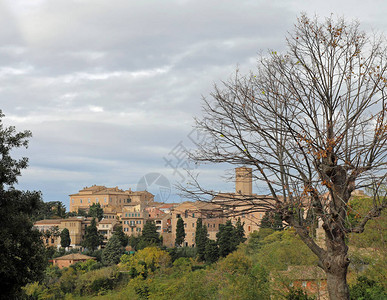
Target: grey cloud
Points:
x,y
109,88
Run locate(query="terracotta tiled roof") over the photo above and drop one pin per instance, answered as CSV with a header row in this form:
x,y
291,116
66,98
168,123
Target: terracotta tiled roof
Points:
x,y
303,273
108,221
74,256
48,221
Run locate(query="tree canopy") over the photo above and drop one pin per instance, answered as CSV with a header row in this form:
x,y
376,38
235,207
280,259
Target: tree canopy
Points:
x,y
93,239
65,240
23,255
180,232
96,211
113,251
312,125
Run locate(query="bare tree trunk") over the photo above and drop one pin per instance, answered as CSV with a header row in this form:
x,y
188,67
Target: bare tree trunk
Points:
x,y
337,284
336,264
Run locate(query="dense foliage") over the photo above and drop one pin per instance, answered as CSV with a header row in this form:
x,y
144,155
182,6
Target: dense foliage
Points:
x,y
246,273
180,232
65,240
93,239
96,211
113,251
23,255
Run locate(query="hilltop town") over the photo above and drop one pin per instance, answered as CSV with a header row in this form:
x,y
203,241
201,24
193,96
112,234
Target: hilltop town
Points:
x,y
132,209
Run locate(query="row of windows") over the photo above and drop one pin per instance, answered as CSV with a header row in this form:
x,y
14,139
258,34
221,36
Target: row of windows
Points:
x,y
132,229
132,215
132,222
105,200
185,215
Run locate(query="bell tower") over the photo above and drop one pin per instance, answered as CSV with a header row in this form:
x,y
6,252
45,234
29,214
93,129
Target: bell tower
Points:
x,y
243,181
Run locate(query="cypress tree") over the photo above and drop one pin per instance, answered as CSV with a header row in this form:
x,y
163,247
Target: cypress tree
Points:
x,y
65,240
201,238
180,232
211,254
271,220
150,236
93,238
225,239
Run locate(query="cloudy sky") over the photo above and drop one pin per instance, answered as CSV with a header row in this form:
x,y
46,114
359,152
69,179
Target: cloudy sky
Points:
x,y
110,88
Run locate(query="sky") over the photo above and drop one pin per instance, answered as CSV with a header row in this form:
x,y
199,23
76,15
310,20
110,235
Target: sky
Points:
x,y
110,89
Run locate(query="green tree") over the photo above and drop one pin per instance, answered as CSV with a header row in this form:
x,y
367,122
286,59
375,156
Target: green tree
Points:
x,y
211,254
23,255
65,240
113,251
239,233
271,220
298,294
225,239
124,239
93,239
96,211
150,236
367,289
134,241
201,238
180,232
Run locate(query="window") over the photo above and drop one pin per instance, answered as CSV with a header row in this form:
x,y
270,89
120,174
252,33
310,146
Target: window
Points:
x,y
193,224
88,200
81,200
304,284
96,200
104,200
193,215
186,214
73,201
185,225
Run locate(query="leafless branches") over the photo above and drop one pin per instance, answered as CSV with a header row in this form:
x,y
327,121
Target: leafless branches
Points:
x,y
312,123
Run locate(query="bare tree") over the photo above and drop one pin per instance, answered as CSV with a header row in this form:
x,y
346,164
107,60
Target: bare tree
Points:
x,y
312,123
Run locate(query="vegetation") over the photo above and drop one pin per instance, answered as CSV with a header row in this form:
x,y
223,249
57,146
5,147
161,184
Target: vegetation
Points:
x,y
312,125
180,232
229,237
93,239
23,255
149,236
201,239
246,273
113,251
271,220
96,211
65,240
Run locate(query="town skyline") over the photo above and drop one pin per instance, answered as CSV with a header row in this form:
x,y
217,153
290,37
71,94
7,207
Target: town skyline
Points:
x,y
109,92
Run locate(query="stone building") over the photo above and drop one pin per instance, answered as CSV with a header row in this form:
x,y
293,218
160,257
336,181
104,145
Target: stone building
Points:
x,y
75,225
134,217
112,197
70,259
244,204
210,213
